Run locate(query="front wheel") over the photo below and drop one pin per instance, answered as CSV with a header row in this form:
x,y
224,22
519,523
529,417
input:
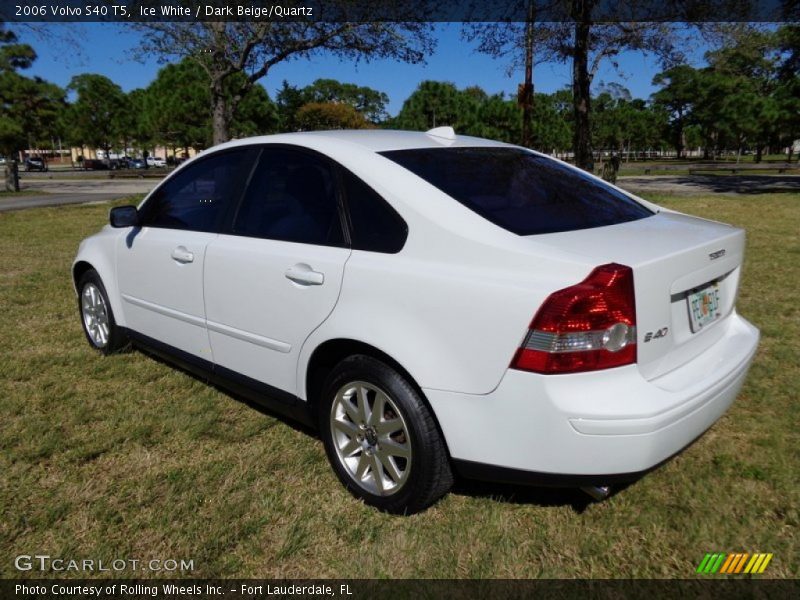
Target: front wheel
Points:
x,y
381,438
97,317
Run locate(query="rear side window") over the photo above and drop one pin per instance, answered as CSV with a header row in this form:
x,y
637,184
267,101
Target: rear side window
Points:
x,y
291,197
521,192
195,198
375,226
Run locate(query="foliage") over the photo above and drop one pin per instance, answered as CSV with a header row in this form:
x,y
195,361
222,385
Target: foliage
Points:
x,y
95,118
29,107
235,55
368,102
176,108
330,115
747,96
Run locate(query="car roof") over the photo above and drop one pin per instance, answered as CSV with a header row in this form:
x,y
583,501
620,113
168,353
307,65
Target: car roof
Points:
x,y
377,140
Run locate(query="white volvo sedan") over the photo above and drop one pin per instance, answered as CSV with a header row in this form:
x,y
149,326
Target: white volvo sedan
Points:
x,y
435,304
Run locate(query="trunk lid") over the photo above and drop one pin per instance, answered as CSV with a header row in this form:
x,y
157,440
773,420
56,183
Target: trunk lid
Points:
x,y
673,257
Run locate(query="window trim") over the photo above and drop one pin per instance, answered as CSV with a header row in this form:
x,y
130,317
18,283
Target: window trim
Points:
x,y
231,198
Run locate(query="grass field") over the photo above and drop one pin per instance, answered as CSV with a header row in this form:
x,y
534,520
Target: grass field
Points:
x,y
124,457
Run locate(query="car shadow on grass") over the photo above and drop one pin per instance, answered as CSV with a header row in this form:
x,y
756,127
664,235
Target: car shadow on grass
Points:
x,y
510,493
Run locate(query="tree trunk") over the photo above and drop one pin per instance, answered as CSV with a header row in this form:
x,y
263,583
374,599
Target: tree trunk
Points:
x,y
12,175
219,111
526,92
581,100
759,149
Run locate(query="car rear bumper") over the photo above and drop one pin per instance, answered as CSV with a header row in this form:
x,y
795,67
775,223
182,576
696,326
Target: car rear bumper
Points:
x,y
593,427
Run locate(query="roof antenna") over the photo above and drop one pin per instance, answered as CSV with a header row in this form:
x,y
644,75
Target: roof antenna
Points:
x,y
446,133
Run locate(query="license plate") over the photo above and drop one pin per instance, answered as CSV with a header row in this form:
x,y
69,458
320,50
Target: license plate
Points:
x,y
704,306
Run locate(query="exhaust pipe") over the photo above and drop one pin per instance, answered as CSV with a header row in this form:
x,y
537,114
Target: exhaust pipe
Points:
x,y
597,492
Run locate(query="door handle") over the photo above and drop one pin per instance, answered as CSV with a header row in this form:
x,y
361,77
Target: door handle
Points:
x,y
182,255
304,275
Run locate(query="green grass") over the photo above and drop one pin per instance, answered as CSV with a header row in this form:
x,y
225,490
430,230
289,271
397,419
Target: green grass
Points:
x,y
125,457
6,194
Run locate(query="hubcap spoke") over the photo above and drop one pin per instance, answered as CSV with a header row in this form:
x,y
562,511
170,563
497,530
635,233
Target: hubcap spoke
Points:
x,y
377,409
377,473
363,465
392,448
346,428
384,428
390,466
351,410
350,448
363,404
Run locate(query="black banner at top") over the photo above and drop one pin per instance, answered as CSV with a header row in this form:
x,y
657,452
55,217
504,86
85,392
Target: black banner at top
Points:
x,y
277,11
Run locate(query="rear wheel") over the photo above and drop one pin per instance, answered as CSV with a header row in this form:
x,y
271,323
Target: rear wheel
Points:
x,y
97,317
381,438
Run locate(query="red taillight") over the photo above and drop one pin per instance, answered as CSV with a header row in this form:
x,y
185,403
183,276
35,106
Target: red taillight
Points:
x,y
585,327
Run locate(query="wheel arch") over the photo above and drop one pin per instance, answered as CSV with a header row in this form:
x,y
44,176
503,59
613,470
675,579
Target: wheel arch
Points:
x,y
78,269
331,352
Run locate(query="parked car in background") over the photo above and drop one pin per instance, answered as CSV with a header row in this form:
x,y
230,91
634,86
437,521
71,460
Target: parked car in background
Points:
x,y
95,164
434,304
156,161
35,163
137,163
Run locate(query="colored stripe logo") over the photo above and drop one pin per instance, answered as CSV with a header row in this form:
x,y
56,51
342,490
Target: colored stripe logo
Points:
x,y
733,564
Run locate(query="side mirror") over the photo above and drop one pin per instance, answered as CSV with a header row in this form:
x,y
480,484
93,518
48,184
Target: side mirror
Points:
x,y
124,216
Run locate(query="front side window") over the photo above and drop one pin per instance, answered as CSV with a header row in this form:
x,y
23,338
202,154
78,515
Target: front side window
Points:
x,y
520,191
291,197
195,198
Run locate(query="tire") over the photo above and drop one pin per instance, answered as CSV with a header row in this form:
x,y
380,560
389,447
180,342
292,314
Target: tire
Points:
x,y
400,443
97,318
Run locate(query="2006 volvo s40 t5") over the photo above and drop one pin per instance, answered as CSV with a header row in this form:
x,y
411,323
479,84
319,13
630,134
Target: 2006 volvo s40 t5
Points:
x,y
434,304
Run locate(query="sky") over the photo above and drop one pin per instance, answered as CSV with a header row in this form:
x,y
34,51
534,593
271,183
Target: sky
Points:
x,y
66,49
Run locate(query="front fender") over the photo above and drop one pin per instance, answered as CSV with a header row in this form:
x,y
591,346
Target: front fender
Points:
x,y
100,252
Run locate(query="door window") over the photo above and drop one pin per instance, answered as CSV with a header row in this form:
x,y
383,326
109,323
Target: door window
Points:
x,y
195,198
291,197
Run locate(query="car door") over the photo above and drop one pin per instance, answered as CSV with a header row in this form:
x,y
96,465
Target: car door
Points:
x,y
275,274
160,263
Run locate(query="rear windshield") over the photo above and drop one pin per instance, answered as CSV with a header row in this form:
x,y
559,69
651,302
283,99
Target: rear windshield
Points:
x,y
519,191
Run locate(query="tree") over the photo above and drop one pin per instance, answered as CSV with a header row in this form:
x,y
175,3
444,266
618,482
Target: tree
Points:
x,y
175,107
517,43
330,115
257,114
235,55
95,116
787,91
677,97
436,103
586,40
29,107
368,102
288,101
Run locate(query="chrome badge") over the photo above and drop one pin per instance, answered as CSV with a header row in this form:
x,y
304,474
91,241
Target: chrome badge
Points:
x,y
717,254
